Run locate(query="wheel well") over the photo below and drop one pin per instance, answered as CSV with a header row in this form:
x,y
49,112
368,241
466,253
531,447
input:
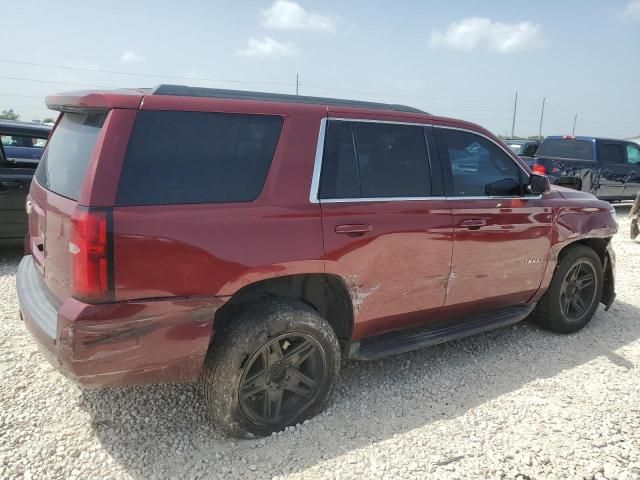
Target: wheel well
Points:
x,y
327,294
598,245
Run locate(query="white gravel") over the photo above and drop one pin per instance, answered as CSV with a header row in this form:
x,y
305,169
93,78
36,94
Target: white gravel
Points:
x,y
514,403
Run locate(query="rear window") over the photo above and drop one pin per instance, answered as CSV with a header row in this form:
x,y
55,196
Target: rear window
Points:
x,y
566,148
197,157
67,155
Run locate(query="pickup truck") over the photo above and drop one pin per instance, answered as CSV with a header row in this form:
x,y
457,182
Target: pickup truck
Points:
x,y
21,146
607,168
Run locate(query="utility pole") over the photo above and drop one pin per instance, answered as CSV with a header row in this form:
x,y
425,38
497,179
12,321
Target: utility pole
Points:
x,y
541,117
515,107
297,83
575,119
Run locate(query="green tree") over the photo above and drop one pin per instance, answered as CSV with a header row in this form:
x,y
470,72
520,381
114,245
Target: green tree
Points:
x,y
48,120
9,115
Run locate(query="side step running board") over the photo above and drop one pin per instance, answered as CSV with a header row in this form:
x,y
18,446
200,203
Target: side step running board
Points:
x,y
402,341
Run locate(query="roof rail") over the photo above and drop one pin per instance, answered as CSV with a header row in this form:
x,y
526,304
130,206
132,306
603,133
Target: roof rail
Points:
x,y
185,91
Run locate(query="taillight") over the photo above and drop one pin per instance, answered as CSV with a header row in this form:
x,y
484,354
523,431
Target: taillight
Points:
x,y
539,169
91,251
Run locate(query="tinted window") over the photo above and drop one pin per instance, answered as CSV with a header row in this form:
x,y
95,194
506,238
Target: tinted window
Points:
x,y
633,154
197,157
478,166
566,148
339,175
391,160
611,153
530,150
67,155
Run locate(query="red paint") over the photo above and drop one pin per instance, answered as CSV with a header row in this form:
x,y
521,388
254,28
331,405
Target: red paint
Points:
x,y
410,262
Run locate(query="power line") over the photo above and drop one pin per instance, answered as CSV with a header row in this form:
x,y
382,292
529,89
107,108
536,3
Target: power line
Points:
x,y
147,75
418,97
53,82
20,96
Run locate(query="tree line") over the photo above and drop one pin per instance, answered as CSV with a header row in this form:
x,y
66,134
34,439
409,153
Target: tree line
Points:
x,y
11,115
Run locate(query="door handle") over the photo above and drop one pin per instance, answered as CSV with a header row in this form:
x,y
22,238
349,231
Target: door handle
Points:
x,y
473,223
353,229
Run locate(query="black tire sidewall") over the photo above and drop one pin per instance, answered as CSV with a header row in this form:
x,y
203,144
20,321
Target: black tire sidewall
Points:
x,y
255,326
554,318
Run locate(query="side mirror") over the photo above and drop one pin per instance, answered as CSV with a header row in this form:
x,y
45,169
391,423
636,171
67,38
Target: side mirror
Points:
x,y
538,184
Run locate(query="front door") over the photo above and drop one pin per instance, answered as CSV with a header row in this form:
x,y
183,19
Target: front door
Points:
x,y
386,226
613,169
501,237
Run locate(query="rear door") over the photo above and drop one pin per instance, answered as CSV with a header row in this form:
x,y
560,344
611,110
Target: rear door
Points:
x,y
614,170
386,226
501,237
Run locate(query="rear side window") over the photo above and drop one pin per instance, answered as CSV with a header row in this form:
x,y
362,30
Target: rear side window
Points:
x,y
566,148
611,153
374,160
197,157
64,161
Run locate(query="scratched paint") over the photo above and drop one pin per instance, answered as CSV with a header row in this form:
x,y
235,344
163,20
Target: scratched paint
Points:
x,y
359,294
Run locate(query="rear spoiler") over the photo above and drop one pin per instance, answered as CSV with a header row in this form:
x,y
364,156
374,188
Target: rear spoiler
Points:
x,y
96,100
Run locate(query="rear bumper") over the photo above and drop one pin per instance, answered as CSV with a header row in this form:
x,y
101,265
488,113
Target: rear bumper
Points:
x,y
126,343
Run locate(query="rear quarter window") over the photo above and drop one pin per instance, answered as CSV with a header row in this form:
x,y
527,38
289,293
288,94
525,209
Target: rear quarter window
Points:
x,y
197,157
566,148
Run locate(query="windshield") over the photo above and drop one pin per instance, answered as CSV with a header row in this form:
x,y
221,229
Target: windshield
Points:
x,y
567,148
516,147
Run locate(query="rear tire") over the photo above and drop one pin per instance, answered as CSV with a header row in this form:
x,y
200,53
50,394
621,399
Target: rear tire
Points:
x,y
574,293
275,365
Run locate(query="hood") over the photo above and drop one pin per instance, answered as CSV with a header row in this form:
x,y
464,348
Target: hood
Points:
x,y
570,193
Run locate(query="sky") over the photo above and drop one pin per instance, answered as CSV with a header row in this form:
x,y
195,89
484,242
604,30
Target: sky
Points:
x,y
465,59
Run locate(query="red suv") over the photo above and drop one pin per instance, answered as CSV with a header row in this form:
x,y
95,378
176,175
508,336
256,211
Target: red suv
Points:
x,y
253,241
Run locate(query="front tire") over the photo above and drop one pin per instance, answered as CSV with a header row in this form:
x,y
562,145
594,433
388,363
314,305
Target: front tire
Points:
x,y
574,293
276,365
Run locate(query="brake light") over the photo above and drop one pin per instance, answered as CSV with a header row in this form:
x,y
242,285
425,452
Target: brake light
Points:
x,y
568,137
91,255
539,169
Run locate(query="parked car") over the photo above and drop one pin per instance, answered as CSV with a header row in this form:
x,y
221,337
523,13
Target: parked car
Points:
x,y
634,213
607,168
523,148
252,241
21,146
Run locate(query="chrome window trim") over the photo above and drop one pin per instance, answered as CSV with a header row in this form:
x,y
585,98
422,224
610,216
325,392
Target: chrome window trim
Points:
x,y
317,165
423,199
380,199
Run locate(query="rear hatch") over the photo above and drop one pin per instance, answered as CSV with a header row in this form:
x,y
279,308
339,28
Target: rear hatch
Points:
x,y
55,192
72,194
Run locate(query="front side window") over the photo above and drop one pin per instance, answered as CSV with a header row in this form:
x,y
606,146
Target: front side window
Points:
x,y
633,155
478,166
374,160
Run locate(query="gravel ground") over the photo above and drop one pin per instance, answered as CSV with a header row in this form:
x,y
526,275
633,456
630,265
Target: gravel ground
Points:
x,y
514,403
